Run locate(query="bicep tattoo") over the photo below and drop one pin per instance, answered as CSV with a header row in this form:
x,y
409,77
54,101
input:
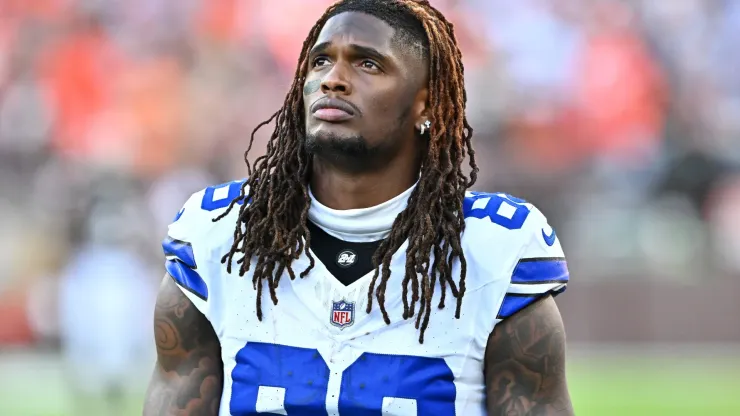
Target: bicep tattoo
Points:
x,y
188,379
525,364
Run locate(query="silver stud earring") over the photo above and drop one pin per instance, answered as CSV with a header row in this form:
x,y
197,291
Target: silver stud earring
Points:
x,y
423,128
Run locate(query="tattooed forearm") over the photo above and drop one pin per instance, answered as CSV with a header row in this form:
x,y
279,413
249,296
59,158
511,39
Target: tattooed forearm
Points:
x,y
188,378
525,364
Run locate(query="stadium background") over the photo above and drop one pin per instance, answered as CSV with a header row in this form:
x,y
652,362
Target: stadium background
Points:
x,y
619,119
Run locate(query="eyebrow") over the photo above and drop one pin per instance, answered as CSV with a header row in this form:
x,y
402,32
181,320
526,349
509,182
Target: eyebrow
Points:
x,y
356,50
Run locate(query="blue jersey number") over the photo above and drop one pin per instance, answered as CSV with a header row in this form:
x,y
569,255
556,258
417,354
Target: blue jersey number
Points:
x,y
220,196
373,377
303,375
502,209
300,371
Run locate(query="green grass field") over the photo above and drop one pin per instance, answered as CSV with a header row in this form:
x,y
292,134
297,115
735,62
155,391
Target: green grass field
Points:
x,y
604,385
655,386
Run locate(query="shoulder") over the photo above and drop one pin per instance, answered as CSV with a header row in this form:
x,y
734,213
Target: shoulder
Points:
x,y
503,218
195,241
507,237
197,214
195,220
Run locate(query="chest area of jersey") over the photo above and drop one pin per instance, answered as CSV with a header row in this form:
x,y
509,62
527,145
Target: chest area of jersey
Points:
x,y
282,379
336,359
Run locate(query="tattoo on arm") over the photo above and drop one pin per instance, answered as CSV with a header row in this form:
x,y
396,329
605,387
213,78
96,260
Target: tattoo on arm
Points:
x,y
188,377
525,364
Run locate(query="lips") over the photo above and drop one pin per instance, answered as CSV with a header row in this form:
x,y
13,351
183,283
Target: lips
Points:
x,y
332,110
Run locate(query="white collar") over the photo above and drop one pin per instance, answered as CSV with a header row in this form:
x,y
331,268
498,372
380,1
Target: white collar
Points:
x,y
358,225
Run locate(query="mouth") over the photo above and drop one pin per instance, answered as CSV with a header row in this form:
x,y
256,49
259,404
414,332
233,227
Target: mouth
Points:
x,y
332,110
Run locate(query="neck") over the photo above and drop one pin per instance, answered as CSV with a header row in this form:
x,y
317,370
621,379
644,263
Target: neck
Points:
x,y
343,190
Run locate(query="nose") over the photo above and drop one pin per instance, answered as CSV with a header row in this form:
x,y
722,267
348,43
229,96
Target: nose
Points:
x,y
336,81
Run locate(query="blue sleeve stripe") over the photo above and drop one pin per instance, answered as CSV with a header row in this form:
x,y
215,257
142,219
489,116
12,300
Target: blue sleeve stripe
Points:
x,y
187,278
181,266
179,249
540,270
513,303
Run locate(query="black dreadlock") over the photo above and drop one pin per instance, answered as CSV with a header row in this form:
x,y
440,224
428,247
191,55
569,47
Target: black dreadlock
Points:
x,y
272,226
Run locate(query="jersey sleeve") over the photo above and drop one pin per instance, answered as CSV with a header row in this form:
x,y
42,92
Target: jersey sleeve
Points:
x,y
195,245
541,269
185,253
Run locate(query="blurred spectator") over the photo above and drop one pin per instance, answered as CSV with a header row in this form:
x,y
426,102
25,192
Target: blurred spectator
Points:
x,y
106,301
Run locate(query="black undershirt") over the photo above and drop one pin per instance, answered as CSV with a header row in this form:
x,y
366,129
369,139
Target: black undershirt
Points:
x,y
345,260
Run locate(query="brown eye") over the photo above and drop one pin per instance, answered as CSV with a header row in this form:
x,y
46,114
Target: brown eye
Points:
x,y
320,61
367,64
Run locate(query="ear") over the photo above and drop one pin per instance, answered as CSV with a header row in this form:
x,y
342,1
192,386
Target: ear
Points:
x,y
421,109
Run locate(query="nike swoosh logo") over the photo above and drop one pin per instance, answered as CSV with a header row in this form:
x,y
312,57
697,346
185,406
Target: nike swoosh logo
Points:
x,y
549,239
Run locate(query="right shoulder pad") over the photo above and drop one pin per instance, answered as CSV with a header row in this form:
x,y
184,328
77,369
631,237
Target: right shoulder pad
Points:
x,y
194,241
196,216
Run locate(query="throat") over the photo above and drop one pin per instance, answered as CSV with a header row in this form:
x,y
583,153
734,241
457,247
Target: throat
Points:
x,y
341,190
346,240
347,261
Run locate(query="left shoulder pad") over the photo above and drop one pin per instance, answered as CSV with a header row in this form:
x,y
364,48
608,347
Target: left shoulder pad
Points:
x,y
541,269
539,266
514,219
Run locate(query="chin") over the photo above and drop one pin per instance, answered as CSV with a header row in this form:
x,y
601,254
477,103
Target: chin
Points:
x,y
333,131
337,144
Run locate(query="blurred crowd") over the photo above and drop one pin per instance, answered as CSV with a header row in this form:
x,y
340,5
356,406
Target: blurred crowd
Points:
x,y
620,119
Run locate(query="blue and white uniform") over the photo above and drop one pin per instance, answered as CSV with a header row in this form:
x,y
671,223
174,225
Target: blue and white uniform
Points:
x,y
317,352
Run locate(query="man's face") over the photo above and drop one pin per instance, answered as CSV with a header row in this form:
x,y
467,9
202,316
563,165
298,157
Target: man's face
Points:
x,y
365,91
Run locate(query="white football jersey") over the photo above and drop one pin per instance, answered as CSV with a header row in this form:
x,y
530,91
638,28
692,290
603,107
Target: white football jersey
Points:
x,y
317,352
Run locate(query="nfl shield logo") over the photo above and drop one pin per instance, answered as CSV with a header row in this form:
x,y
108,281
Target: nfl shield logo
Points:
x,y
343,314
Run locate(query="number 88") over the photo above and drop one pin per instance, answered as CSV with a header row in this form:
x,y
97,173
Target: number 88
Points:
x,y
303,376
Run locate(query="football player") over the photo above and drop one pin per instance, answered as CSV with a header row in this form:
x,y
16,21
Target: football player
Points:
x,y
353,273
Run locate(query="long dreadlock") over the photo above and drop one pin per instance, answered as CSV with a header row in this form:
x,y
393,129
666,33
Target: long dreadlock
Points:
x,y
272,229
